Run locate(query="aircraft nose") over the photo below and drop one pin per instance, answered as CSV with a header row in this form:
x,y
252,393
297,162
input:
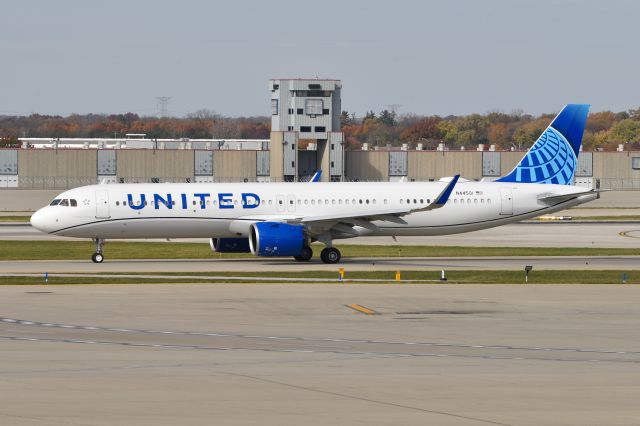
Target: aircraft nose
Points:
x,y
39,220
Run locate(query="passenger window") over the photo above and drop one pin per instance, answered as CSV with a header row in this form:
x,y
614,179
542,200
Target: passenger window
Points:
x,y
428,201
306,201
55,202
373,201
124,203
455,201
385,201
117,202
313,201
339,201
366,201
488,200
475,201
74,203
401,201
270,202
421,201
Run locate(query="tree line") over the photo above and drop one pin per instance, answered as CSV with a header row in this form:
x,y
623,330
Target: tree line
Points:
x,y
605,130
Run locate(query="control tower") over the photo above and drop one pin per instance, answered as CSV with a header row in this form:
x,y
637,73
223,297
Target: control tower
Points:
x,y
306,110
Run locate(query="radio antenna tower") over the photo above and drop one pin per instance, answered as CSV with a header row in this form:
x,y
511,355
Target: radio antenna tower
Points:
x,y
162,103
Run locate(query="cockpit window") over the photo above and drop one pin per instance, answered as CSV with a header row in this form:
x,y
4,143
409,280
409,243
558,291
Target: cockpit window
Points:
x,y
73,203
64,202
55,202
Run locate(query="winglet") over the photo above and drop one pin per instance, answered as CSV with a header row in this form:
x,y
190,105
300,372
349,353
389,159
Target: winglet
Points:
x,y
443,197
316,176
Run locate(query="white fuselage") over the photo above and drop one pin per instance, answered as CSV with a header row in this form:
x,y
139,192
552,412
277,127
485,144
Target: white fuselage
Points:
x,y
222,210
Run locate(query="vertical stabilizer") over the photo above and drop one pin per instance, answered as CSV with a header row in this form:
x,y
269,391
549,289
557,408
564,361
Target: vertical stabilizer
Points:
x,y
553,158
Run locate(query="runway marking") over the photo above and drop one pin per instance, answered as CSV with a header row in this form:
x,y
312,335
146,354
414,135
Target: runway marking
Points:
x,y
309,351
362,309
311,339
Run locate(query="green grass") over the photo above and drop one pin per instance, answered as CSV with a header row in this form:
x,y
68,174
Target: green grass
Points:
x,y
15,218
81,250
427,277
627,218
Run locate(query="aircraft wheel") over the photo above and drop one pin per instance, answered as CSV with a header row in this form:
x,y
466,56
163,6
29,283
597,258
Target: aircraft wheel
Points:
x,y
305,254
97,257
330,255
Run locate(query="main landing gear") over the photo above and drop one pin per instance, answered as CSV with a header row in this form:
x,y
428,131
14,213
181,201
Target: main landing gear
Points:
x,y
305,254
98,257
330,255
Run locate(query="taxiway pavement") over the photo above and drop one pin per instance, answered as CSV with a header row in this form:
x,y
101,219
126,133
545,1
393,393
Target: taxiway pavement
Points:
x,y
296,354
547,234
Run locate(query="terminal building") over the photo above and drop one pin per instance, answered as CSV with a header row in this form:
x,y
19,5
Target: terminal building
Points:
x,y
305,137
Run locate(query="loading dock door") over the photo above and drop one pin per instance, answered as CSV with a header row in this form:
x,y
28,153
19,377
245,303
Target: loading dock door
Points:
x,y
102,204
506,196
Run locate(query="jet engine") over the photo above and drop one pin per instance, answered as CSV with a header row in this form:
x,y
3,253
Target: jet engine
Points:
x,y
276,239
230,245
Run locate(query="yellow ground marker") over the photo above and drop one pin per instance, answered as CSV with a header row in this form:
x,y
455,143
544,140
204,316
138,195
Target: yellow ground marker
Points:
x,y
362,309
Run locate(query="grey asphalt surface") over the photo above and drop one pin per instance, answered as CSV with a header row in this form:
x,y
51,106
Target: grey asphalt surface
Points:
x,y
295,354
554,234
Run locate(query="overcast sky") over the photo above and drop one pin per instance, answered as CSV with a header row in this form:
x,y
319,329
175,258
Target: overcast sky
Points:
x,y
429,57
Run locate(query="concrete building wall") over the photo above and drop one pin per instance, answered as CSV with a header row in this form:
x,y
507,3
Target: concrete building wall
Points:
x,y
432,165
367,165
234,166
175,165
615,170
59,163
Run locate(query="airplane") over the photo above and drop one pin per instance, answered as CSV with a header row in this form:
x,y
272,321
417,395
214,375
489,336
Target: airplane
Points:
x,y
283,219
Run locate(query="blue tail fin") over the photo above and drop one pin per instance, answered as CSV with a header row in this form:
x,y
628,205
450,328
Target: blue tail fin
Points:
x,y
553,158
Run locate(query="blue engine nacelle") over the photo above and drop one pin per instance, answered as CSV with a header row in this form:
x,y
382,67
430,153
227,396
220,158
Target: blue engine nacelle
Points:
x,y
230,245
276,239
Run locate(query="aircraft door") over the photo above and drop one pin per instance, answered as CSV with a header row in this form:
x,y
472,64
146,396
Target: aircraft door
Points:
x,y
102,204
280,203
506,201
291,203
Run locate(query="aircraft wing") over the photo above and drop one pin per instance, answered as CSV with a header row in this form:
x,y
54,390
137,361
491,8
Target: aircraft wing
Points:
x,y
344,222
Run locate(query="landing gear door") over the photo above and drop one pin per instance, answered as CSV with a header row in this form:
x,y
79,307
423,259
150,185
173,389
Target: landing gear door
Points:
x,y
506,200
102,204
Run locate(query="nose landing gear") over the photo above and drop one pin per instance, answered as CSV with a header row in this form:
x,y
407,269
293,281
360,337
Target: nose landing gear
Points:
x,y
98,257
